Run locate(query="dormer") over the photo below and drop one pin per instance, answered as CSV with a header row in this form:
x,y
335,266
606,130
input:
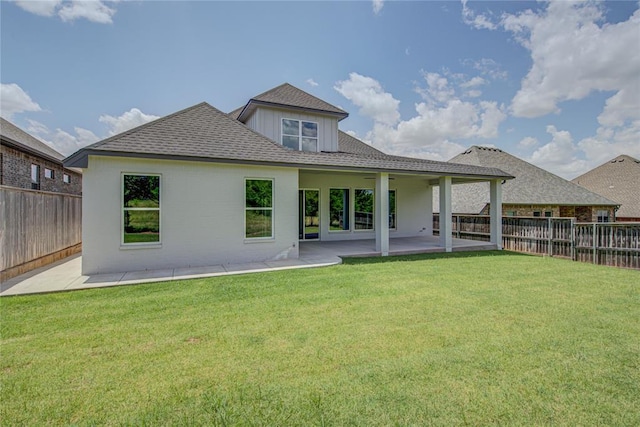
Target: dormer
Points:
x,y
293,118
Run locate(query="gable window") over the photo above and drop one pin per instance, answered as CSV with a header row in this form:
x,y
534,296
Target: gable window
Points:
x,y
35,177
300,135
258,209
49,173
66,178
363,209
141,208
339,209
392,210
602,216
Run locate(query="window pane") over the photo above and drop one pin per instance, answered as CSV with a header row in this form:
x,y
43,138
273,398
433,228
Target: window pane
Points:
x,y
258,223
141,226
259,193
310,129
309,144
290,127
392,208
35,174
363,209
66,178
292,142
338,209
141,191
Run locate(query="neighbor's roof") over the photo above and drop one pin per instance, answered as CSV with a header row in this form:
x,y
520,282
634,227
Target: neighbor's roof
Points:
x,y
531,186
12,135
350,144
619,180
203,133
288,96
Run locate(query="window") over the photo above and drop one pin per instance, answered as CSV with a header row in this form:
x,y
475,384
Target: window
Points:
x,y
300,135
363,209
66,178
49,173
392,209
141,209
339,209
603,215
510,213
258,208
537,213
548,214
35,177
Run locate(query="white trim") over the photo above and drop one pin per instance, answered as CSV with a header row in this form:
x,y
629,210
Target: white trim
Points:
x,y
319,213
140,245
299,136
272,209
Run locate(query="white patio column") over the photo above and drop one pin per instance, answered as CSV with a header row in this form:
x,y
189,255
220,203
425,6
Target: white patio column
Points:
x,y
495,210
446,228
428,227
382,213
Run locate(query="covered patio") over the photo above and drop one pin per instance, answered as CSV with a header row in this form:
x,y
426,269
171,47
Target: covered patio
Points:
x,y
397,246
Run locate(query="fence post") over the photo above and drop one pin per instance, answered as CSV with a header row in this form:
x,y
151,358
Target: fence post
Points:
x,y
549,237
594,243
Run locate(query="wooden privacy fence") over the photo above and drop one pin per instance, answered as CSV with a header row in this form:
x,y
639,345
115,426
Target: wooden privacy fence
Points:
x,y
614,244
37,228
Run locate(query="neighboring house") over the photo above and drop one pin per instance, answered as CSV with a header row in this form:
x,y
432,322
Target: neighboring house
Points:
x,y
27,162
200,187
534,192
619,180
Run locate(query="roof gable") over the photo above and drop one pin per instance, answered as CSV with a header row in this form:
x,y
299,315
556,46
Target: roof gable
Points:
x,y
618,180
13,135
289,97
532,185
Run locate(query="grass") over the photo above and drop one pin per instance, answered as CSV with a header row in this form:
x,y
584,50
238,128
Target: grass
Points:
x,y
477,339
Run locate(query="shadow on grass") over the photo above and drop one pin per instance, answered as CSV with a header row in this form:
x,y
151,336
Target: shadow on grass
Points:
x,y
428,256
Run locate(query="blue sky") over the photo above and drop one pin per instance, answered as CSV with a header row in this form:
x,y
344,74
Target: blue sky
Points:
x,y
557,84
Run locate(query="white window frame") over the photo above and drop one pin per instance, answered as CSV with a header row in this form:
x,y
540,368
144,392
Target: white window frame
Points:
x,y
35,180
373,213
599,215
299,136
122,210
272,209
50,172
66,178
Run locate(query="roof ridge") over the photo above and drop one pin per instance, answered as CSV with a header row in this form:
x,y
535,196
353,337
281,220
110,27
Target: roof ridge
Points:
x,y
28,140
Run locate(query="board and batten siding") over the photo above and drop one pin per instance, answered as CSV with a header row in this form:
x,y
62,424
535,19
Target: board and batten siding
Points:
x,y
36,225
268,122
201,215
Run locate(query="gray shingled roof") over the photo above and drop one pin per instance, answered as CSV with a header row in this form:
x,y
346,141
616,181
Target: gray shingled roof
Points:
x,y
350,144
12,134
289,96
203,133
531,186
618,180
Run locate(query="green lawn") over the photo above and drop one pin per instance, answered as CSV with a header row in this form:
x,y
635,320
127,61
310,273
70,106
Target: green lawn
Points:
x,y
474,338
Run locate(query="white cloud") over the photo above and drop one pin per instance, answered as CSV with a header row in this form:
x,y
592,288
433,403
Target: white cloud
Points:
x,y
312,82
377,6
39,7
370,97
528,142
560,155
127,120
487,67
442,120
70,10
480,22
62,141
15,100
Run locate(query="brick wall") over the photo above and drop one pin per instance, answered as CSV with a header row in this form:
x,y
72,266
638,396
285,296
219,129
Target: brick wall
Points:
x,y
581,213
15,171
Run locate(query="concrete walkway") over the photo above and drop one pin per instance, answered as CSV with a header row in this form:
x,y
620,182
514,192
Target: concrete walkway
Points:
x,y
65,275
